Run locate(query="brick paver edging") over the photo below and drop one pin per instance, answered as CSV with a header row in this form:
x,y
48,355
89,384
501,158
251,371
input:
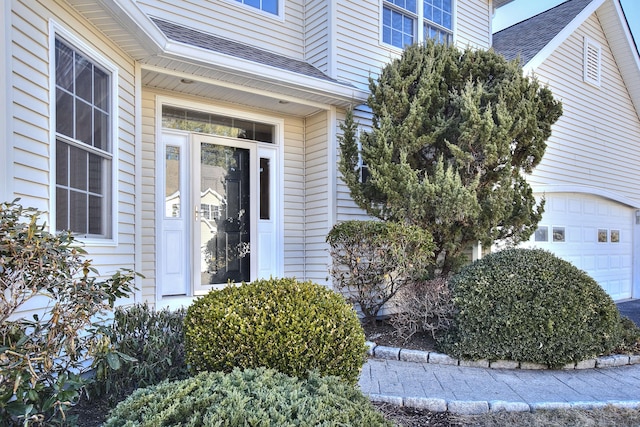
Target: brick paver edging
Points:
x,y
477,407
407,355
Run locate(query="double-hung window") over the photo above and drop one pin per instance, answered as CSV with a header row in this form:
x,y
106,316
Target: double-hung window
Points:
x,y
83,143
405,22
269,6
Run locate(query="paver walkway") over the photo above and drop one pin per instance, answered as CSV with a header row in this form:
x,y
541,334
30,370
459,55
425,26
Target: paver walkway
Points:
x,y
470,390
476,390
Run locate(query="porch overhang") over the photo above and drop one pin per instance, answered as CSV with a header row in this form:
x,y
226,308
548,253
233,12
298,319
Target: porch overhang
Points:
x,y
187,61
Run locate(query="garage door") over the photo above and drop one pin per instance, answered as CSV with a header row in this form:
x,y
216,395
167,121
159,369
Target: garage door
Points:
x,y
594,234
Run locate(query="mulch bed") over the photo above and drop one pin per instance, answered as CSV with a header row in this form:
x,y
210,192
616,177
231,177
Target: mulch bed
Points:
x,y
93,413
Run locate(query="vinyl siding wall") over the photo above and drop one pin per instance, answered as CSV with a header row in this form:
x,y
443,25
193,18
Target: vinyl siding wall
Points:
x,y
233,20
317,193
597,140
472,24
31,125
148,164
294,200
317,35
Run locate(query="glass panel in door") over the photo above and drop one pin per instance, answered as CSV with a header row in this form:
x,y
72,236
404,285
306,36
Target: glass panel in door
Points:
x,y
224,214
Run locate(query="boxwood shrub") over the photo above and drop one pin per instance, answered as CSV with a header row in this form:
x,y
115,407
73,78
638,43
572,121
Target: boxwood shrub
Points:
x,y
529,305
253,397
283,324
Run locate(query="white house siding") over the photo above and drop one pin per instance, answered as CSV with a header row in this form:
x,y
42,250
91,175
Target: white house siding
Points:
x,y
317,192
472,21
595,143
317,35
31,124
294,200
148,220
235,21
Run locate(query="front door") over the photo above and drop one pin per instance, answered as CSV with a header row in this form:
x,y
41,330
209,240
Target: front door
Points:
x,y
223,173
221,213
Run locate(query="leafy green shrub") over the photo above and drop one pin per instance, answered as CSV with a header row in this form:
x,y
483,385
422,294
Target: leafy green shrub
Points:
x,y
42,357
373,260
423,306
254,397
529,305
154,342
291,326
629,337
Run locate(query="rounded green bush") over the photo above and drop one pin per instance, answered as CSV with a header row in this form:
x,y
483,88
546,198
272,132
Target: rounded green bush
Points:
x,y
293,327
253,397
529,305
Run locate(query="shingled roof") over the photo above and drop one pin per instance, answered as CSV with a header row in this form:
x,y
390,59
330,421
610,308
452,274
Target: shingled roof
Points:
x,y
527,38
182,34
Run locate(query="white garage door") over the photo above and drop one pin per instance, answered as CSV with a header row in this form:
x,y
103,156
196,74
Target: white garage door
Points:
x,y
593,233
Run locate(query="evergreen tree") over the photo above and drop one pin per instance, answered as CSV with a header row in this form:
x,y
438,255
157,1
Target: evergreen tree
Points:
x,y
453,135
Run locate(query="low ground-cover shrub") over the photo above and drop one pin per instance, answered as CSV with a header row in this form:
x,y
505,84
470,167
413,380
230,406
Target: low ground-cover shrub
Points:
x,y
43,355
373,260
529,305
253,397
291,326
153,340
423,306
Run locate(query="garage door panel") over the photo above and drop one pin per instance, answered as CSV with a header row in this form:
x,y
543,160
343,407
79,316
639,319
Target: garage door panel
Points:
x,y
583,217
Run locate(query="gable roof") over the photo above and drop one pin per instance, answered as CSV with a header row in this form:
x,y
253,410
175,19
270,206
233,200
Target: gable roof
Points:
x,y
536,38
525,39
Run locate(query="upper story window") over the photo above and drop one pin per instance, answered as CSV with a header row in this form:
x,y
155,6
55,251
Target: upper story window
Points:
x,y
438,21
83,145
406,21
270,6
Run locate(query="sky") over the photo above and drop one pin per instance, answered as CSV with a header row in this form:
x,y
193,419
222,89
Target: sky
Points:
x,y
520,10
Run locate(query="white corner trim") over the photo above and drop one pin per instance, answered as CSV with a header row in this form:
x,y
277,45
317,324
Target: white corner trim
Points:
x,y
6,115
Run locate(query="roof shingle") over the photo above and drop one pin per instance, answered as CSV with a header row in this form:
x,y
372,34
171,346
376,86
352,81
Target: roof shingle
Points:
x,y
525,39
210,42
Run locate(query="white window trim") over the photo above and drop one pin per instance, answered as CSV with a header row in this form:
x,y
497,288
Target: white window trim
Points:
x,y
590,44
419,20
262,13
56,29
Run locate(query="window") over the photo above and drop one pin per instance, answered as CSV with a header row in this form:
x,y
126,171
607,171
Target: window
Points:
x,y
362,165
592,51
197,121
270,6
83,146
615,236
558,234
205,211
542,234
403,20
438,21
603,235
